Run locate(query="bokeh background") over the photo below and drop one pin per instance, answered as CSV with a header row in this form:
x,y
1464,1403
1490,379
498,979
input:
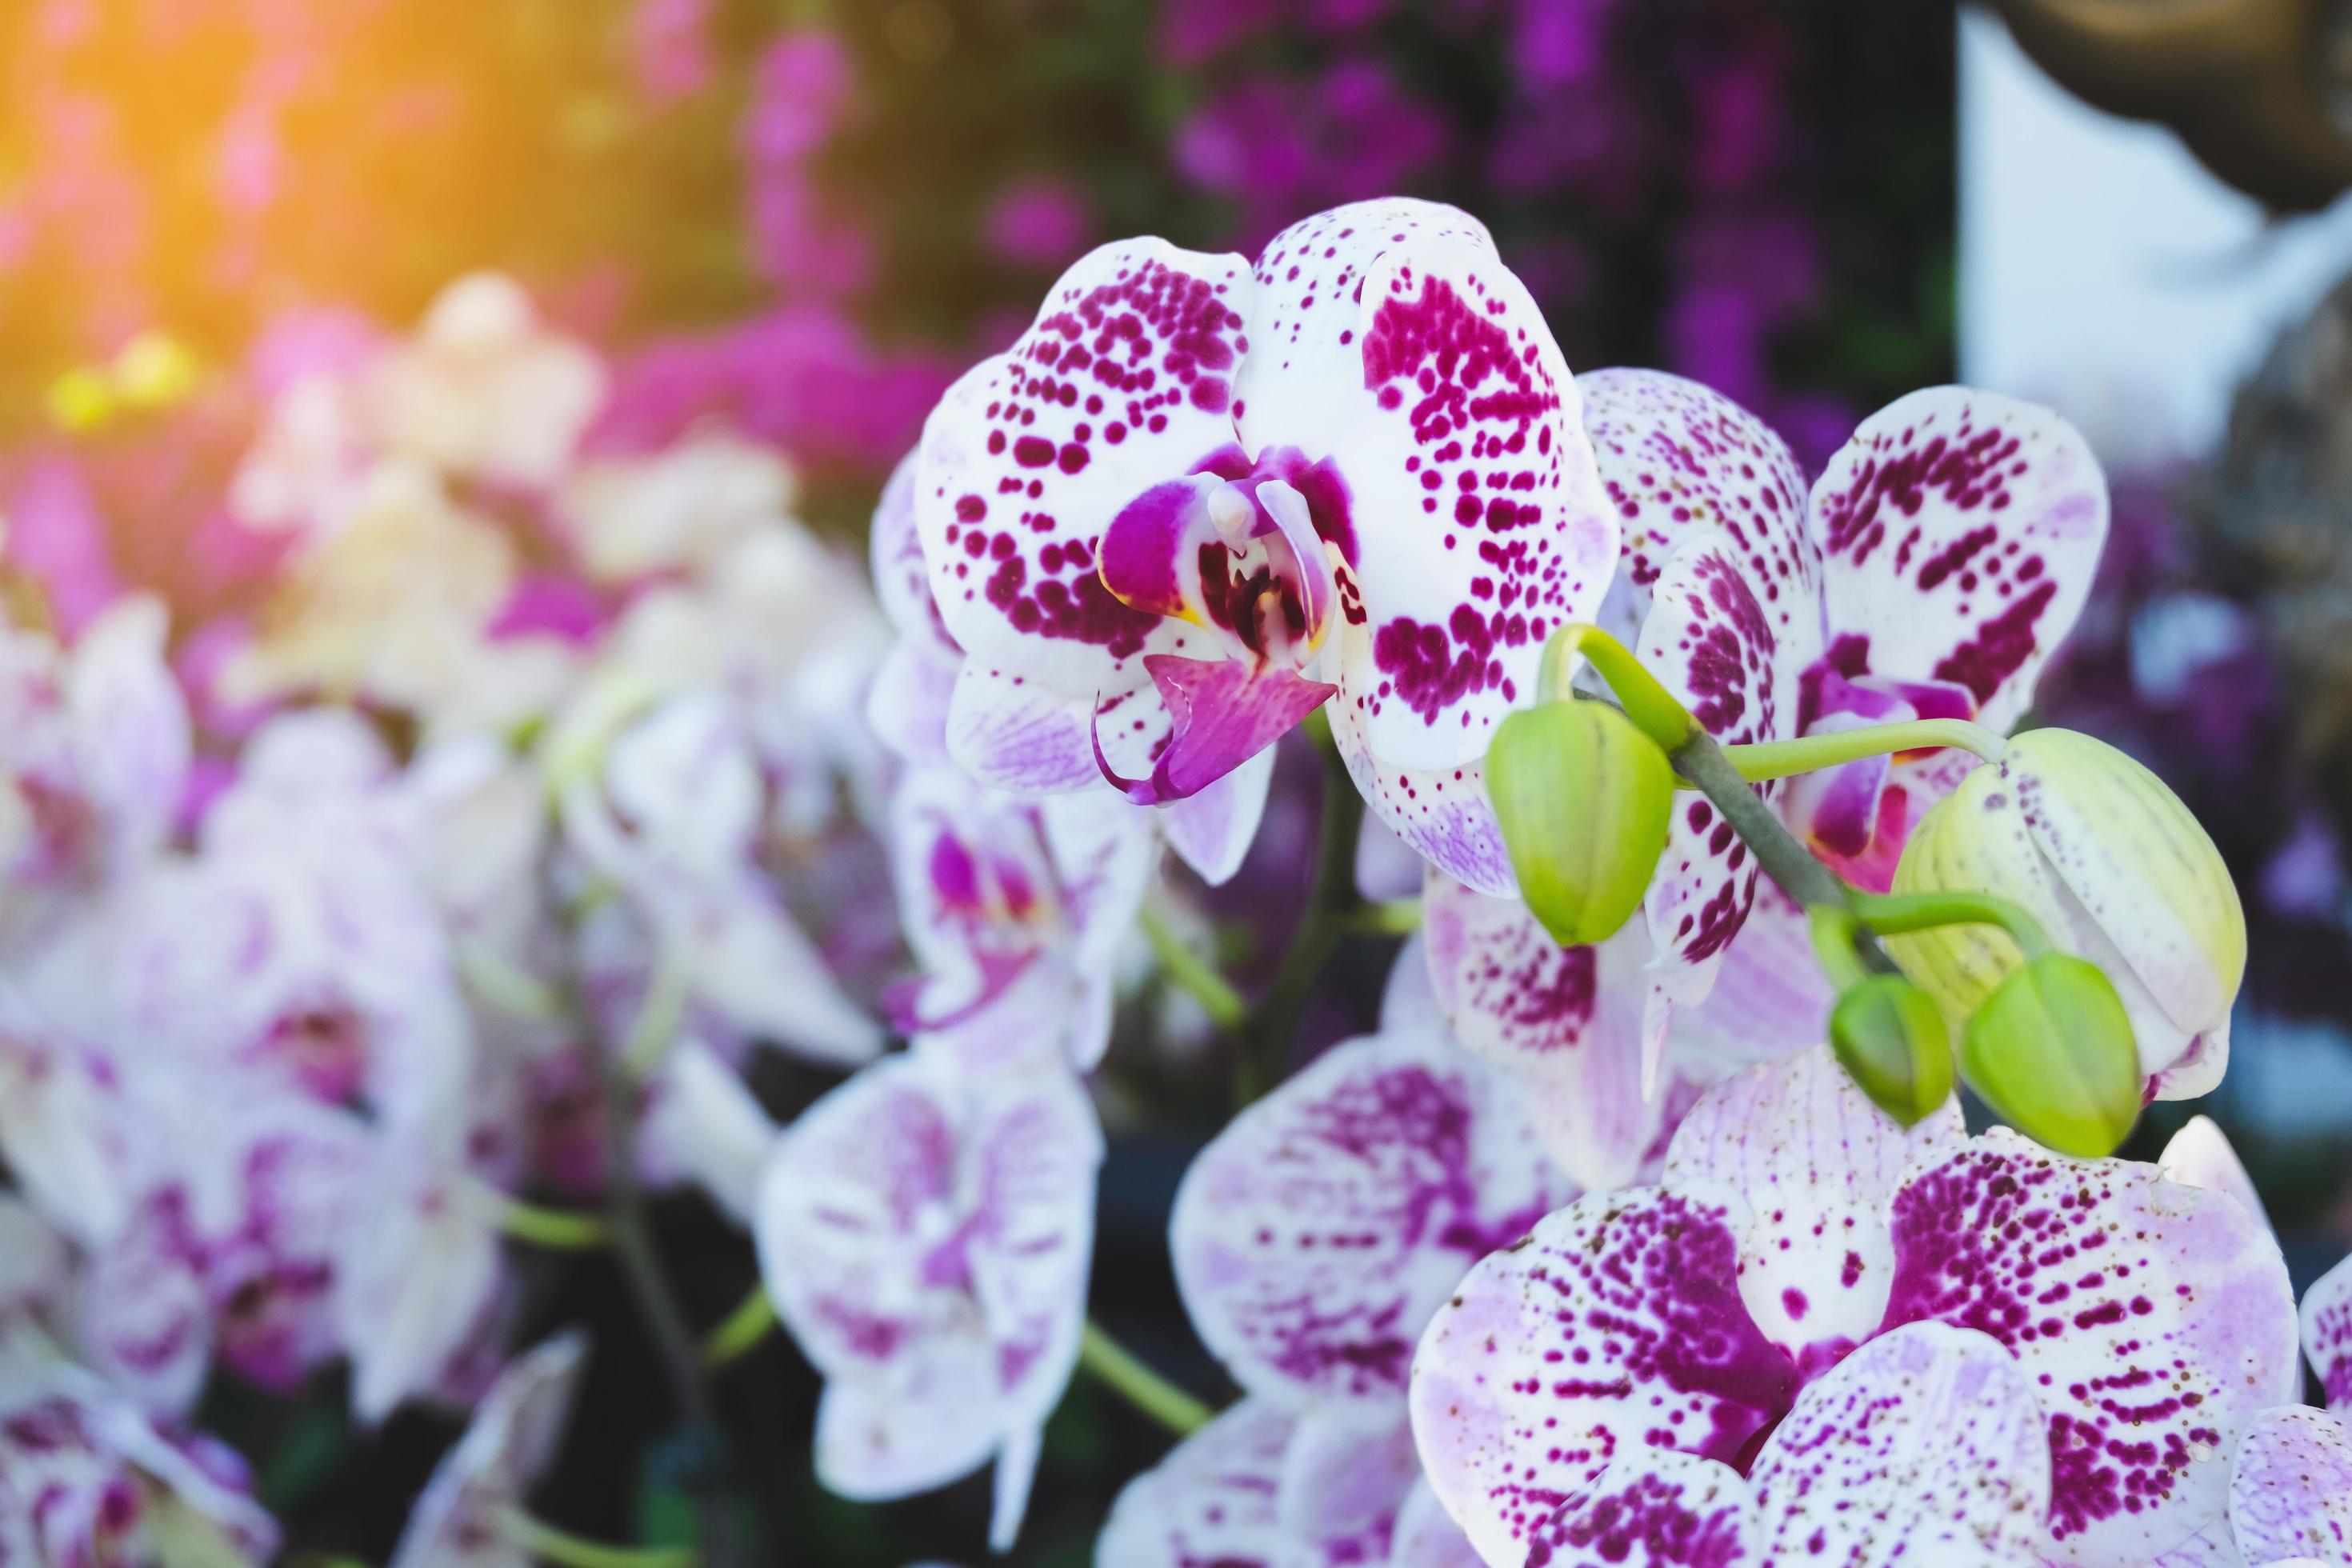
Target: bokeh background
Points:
x,y
803,219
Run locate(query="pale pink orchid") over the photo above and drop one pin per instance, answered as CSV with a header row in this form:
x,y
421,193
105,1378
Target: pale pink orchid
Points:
x,y
1197,500
1317,1234
1260,1488
925,1232
1016,909
1569,1024
1754,1296
681,508
2291,1490
2327,1335
63,1128
457,1522
1942,555
672,815
94,758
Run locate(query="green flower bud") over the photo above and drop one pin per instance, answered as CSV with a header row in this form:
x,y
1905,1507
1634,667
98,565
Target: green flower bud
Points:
x,y
1584,798
2110,861
1890,1037
2051,1050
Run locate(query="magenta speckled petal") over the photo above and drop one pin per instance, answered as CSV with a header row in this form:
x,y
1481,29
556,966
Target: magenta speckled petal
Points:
x,y
925,1234
2292,1495
2155,1319
1618,1323
2327,1335
1211,828
1316,1235
1210,1501
1816,1162
1440,814
1125,382
1476,525
1960,531
1682,462
1708,639
1569,1018
1924,1436
1225,712
1651,1508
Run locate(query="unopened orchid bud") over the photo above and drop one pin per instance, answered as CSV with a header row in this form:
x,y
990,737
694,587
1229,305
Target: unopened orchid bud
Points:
x,y
2051,1050
2113,866
1889,1034
1582,798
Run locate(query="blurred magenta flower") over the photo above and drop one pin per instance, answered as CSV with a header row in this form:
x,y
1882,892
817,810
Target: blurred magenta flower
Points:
x,y
1038,222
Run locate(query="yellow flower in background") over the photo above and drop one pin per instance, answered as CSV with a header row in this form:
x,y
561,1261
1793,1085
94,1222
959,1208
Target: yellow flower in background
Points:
x,y
2117,871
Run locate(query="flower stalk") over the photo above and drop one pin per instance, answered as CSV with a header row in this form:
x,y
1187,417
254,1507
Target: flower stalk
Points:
x,y
548,1544
1193,974
1125,1374
561,1230
1762,760
742,1330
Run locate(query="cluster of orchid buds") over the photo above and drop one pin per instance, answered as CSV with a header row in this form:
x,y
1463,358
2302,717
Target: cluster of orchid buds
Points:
x,y
1644,1226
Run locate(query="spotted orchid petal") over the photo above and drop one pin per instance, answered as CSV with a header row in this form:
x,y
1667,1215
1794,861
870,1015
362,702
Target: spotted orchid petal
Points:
x,y
146,1320
1816,1163
2155,1319
2199,1155
1960,530
2327,1335
37,1263
1124,382
1710,642
1222,713
512,1439
1316,1235
1391,342
907,705
1926,1439
1566,1020
1342,1482
1212,1500
925,1234
1683,464
61,1125
1617,1324
2291,1499
1015,734
1769,997
1651,1508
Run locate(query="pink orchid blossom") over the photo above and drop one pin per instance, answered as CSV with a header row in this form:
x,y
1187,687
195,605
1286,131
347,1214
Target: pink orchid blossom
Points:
x,y
925,1233
2327,1335
1196,500
2291,1490
1796,1230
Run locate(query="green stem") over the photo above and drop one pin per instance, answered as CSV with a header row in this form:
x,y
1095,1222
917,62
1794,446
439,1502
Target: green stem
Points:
x,y
1899,914
548,1544
1834,932
1140,1386
560,1229
1193,974
1390,917
1655,712
1779,759
743,1330
1331,902
489,975
658,1016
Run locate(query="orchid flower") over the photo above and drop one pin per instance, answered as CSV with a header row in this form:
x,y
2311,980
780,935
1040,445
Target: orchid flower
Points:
x,y
1016,909
484,390
2327,1335
671,818
247,1199
94,757
677,510
86,1477
1569,1025
2291,1490
1944,552
704,1123
62,1123
457,1522
925,1232
1795,1223
1258,1487
1196,499
1316,1235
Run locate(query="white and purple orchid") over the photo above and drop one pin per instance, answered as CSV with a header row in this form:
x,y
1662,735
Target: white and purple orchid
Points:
x,y
1197,500
459,1521
2327,1335
1796,1229
924,1232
